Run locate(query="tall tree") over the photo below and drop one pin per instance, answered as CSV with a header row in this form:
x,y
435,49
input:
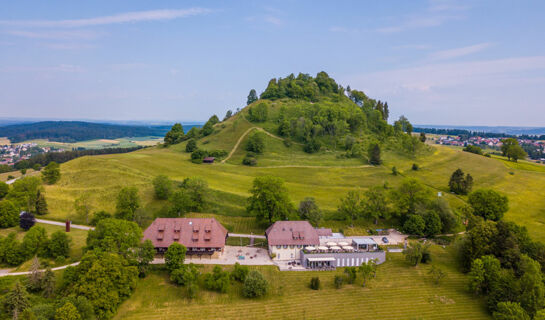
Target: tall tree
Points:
x,y
309,210
162,186
351,206
510,311
228,115
9,215
252,97
175,256
374,154
83,208
376,204
175,135
48,283
409,195
51,173
41,204
128,202
17,300
488,204
115,235
269,200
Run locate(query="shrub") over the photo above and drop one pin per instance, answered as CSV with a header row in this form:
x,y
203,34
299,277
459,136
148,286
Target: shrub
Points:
x,y
254,285
256,143
249,161
218,280
59,245
191,146
351,274
99,215
394,171
258,113
198,155
312,146
315,283
240,272
288,142
338,281
415,167
414,225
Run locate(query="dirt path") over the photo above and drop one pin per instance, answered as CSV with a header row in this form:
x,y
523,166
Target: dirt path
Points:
x,y
29,272
242,138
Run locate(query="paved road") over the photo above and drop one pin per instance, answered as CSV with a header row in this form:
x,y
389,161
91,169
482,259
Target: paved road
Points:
x,y
242,235
62,224
2,274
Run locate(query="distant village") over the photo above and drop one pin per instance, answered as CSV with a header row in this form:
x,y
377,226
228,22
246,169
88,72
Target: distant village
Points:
x,y
537,146
12,153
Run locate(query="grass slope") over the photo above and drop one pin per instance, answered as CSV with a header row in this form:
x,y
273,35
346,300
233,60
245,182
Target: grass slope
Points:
x,y
398,292
319,175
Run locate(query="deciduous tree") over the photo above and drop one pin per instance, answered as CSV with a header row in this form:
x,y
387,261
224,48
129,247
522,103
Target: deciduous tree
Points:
x,y
309,210
269,200
128,202
488,204
162,186
175,256
51,173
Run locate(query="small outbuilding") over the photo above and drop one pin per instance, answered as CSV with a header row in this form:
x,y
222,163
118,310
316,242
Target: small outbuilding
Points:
x,y
208,160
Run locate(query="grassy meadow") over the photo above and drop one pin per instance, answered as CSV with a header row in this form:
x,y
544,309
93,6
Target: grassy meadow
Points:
x,y
323,176
399,291
127,142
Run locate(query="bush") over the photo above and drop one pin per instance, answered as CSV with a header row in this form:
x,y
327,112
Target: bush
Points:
x,y
414,225
249,161
240,272
288,142
59,245
256,143
162,187
338,281
415,167
191,146
254,285
258,113
312,146
394,171
315,283
218,280
198,155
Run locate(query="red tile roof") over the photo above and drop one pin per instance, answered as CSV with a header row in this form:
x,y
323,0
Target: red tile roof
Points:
x,y
324,232
292,233
191,232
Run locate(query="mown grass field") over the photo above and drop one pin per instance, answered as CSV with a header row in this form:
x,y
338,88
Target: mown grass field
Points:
x,y
398,292
79,238
126,142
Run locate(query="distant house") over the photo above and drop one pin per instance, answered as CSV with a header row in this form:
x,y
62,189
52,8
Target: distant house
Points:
x,y
204,237
287,238
208,160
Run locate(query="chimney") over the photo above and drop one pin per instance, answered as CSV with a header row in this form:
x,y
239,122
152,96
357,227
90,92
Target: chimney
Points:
x,y
67,225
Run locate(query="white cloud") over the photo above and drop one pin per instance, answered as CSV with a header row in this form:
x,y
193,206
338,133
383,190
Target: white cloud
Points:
x,y
488,92
274,20
459,52
57,35
128,17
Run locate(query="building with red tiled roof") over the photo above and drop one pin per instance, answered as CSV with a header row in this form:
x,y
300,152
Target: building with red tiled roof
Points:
x,y
201,236
287,238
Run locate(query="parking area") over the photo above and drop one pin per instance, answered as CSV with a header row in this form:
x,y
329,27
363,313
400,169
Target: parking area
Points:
x,y
394,238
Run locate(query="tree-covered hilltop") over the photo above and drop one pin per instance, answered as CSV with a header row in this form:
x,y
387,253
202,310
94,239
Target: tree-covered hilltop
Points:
x,y
320,114
73,131
316,111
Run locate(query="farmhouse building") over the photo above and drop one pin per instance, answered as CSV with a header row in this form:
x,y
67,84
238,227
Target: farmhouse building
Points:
x,y
287,238
204,237
312,248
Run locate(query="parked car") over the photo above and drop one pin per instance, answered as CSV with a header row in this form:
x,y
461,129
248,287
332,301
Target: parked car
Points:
x,y
385,240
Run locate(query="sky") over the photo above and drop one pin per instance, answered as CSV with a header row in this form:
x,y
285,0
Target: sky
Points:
x,y
434,61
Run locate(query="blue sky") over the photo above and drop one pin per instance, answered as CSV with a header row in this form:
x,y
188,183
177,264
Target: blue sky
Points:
x,y
437,62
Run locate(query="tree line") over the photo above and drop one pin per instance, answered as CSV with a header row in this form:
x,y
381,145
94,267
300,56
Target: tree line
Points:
x,y
74,131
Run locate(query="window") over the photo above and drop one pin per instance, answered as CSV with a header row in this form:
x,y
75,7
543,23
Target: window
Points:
x,y
285,246
278,247
292,246
299,246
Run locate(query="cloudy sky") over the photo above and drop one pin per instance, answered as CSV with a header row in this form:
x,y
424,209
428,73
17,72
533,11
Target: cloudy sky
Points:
x,y
437,62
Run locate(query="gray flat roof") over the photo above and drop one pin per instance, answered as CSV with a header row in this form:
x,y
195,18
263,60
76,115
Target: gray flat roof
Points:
x,y
364,241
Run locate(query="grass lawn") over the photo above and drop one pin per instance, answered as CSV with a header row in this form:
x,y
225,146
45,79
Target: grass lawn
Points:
x,y
398,292
79,238
126,142
320,175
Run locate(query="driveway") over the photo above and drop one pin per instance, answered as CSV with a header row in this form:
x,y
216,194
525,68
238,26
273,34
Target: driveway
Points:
x,y
394,238
252,257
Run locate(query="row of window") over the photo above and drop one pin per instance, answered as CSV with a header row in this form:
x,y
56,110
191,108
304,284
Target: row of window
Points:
x,y
291,246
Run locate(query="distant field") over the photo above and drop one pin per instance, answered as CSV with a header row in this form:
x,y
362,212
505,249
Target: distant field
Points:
x,y
398,292
4,141
100,143
4,176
